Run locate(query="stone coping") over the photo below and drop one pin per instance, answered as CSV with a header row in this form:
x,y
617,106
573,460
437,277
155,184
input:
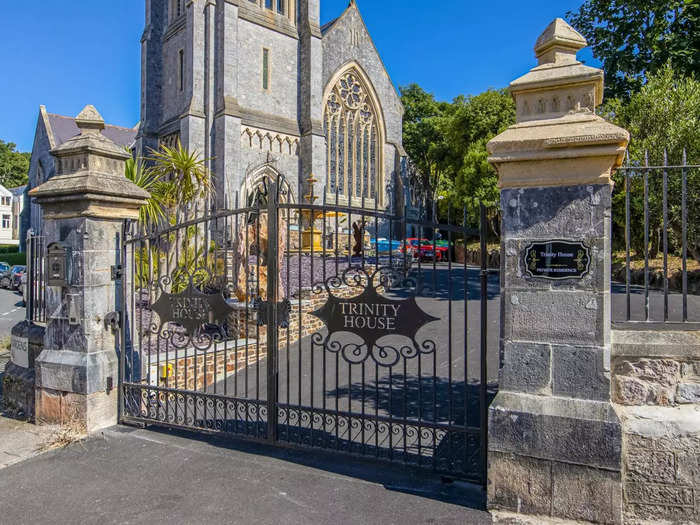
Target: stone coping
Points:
x,y
564,407
656,343
660,422
185,353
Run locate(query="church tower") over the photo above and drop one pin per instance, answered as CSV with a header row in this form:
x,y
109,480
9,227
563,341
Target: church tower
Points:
x,y
246,84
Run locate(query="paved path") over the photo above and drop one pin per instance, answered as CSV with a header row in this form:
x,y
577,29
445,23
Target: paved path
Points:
x,y
20,441
131,476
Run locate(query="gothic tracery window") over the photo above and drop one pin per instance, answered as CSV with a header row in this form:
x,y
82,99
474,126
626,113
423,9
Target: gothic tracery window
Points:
x,y
353,141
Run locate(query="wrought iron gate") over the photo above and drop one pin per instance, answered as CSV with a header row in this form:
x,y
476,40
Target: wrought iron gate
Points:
x,y
290,323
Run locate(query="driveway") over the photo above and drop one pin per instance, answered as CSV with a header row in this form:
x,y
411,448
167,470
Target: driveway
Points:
x,y
131,476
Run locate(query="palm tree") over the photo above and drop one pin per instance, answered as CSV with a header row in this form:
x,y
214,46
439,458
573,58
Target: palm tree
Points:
x,y
185,181
186,172
153,211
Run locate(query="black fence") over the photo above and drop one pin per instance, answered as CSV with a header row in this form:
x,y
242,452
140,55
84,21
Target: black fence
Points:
x,y
656,242
35,293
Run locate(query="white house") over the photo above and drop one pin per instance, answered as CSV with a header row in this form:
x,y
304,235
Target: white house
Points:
x,y
6,198
17,209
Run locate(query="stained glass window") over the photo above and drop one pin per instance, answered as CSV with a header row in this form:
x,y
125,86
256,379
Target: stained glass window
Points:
x,y
352,140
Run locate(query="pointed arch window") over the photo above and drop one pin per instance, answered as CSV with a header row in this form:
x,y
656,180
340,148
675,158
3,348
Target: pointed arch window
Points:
x,y
353,141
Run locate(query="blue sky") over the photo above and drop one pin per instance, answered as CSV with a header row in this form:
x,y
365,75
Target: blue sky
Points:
x,y
68,54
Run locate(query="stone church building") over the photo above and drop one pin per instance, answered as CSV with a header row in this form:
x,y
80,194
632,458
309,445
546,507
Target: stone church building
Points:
x,y
260,87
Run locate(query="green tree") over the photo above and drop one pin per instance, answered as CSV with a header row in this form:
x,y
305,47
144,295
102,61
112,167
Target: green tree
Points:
x,y
447,142
474,122
636,38
424,133
14,166
663,119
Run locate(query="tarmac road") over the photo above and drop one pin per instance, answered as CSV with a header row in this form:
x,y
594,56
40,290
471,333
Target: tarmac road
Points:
x,y
129,476
12,311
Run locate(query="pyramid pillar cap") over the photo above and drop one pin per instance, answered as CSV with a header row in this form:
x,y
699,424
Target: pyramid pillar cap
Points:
x,y
558,140
559,43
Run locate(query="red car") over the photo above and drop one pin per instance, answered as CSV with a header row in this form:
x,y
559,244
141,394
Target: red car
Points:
x,y
424,249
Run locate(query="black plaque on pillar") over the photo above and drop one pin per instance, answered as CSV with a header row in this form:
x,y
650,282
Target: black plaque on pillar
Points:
x,y
557,260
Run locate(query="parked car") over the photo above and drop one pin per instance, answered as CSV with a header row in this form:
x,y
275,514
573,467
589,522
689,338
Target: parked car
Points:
x,y
10,277
415,247
385,246
443,249
5,271
23,288
425,248
18,272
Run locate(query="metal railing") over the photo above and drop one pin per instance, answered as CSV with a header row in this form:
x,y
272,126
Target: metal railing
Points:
x,y
657,267
35,294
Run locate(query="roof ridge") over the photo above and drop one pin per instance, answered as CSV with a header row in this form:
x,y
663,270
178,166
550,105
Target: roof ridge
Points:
x,y
125,128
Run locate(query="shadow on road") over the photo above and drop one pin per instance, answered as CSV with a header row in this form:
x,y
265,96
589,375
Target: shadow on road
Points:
x,y
395,478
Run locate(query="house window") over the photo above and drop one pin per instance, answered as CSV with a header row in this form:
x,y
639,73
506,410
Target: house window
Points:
x,y
266,69
6,222
353,141
181,69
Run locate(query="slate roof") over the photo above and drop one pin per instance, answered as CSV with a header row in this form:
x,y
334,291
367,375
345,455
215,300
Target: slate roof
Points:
x,y
65,128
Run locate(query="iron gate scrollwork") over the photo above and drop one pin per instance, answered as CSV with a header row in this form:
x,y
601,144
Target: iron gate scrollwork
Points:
x,y
372,316
265,322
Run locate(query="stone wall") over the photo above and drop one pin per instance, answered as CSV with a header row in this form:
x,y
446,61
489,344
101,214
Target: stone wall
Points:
x,y
656,388
18,381
473,257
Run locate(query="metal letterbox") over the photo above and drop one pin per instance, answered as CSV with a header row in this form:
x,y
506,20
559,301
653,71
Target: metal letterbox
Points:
x,y
58,255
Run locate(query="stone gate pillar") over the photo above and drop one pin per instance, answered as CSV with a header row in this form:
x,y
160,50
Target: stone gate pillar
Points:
x,y
554,439
84,206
